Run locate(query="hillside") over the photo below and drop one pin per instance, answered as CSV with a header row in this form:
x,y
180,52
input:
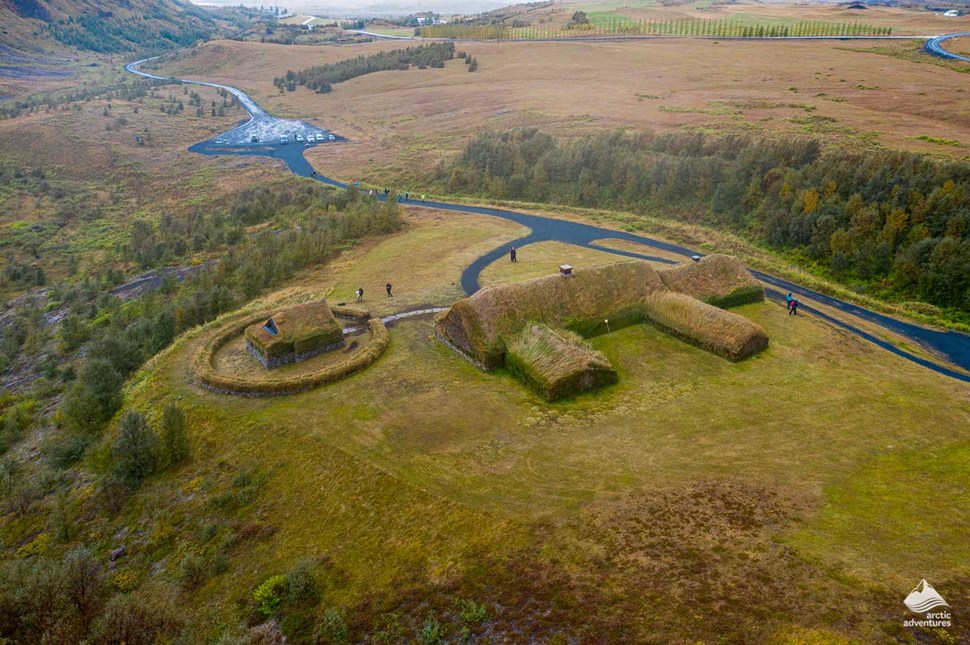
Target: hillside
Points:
x,y
104,26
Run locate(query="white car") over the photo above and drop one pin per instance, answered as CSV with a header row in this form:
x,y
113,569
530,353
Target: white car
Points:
x,y
319,136
299,137
220,142
284,139
331,137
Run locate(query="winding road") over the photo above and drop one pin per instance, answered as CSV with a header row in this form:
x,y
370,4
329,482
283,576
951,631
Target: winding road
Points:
x,y
953,346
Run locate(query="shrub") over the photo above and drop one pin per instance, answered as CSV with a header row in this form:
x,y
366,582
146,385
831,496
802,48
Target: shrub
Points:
x,y
301,588
470,611
135,621
193,572
59,521
125,580
175,443
269,595
332,628
432,631
67,451
135,449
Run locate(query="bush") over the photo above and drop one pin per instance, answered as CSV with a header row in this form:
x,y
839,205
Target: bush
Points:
x,y
175,443
94,398
332,628
193,572
269,595
301,588
67,451
471,612
432,631
135,621
135,449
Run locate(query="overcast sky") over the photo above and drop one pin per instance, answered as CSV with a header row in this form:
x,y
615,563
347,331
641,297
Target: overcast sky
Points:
x,y
368,8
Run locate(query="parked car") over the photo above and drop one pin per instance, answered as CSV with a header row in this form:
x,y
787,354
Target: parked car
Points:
x,y
220,141
320,136
331,137
299,137
284,139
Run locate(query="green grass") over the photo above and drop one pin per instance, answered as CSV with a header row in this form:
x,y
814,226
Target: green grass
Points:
x,y
939,140
424,468
900,501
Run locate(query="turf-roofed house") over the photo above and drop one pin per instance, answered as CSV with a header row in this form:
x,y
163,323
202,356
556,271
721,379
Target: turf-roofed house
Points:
x,y
295,334
535,328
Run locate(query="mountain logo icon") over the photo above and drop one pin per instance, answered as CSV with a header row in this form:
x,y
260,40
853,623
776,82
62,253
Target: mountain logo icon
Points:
x,y
924,598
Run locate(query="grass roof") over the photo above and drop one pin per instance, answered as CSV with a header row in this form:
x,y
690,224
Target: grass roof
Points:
x,y
706,326
557,364
479,324
300,328
717,279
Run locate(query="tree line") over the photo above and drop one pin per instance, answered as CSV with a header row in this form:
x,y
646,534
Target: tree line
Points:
x,y
580,25
321,78
894,224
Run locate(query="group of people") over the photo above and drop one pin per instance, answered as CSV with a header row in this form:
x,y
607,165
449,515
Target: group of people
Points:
x,y
360,292
407,197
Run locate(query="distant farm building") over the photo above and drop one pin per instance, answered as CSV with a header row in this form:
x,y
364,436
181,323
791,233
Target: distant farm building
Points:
x,y
294,335
513,321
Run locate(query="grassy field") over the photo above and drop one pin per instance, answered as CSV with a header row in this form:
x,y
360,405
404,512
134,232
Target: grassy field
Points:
x,y
398,121
693,478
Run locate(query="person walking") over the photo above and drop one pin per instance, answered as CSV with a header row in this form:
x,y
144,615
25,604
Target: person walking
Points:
x,y
793,308
788,300
360,294
422,197
388,287
512,254
407,196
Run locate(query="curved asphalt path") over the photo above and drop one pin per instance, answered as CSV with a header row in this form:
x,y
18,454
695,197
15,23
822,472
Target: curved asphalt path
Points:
x,y
954,346
935,46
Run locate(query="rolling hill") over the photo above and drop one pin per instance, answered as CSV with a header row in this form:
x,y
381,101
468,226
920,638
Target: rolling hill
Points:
x,y
104,26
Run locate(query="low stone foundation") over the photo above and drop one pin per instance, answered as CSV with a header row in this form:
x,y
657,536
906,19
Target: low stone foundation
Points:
x,y
286,359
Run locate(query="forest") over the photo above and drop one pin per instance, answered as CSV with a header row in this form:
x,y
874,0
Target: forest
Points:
x,y
321,78
893,225
161,27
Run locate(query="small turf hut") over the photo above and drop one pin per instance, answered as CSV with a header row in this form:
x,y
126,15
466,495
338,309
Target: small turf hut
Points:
x,y
294,335
478,326
557,364
719,280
